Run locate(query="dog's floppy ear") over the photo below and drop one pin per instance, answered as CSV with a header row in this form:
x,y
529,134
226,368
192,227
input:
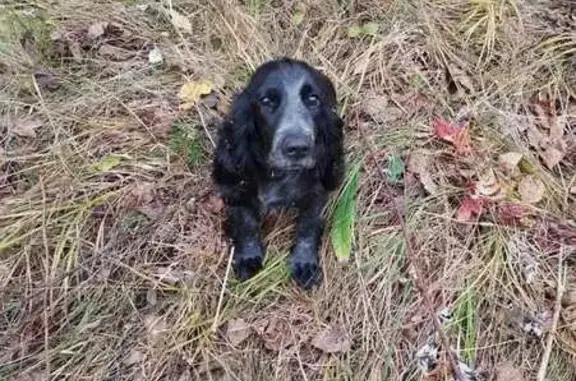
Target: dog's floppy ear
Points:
x,y
331,155
233,162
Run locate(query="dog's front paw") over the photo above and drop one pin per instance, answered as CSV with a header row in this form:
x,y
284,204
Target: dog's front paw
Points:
x,y
306,273
248,262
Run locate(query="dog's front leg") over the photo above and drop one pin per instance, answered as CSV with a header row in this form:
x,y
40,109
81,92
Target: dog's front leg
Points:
x,y
243,226
304,262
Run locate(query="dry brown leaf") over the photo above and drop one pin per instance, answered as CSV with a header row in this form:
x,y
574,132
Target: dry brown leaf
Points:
x,y
508,372
134,357
332,340
569,297
46,79
171,275
215,204
155,326
552,156
180,22
488,185
23,126
97,30
185,376
277,335
531,190
210,100
509,161
237,331
115,53
418,164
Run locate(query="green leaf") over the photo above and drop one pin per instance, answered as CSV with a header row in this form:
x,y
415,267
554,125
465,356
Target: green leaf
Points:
x,y
297,18
107,163
370,28
366,29
344,218
395,169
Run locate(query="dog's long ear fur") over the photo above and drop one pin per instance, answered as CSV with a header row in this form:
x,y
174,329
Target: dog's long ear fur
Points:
x,y
330,137
233,160
330,149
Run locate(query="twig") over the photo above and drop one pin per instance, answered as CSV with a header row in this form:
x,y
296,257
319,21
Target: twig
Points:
x,y
221,298
557,308
414,274
205,127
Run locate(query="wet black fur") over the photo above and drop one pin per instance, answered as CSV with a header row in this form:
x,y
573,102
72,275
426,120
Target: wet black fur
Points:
x,y
241,173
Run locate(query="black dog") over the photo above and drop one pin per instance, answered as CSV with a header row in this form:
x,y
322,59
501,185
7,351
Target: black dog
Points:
x,y
280,147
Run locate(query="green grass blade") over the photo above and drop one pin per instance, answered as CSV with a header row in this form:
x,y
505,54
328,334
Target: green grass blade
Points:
x,y
342,234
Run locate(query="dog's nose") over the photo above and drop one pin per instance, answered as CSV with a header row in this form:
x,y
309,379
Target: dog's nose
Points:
x,y
296,147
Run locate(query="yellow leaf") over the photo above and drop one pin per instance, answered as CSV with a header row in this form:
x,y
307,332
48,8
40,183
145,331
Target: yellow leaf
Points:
x,y
191,92
107,163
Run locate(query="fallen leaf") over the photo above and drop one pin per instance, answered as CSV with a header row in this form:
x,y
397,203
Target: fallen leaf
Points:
x,y
237,331
510,214
460,77
155,56
395,169
459,136
108,163
569,298
418,164
180,22
277,335
552,156
155,326
332,340
297,18
185,376
366,29
134,357
97,30
46,79
191,92
531,190
214,204
445,130
509,161
171,275
469,208
210,100
24,126
488,185
115,53
508,372
427,355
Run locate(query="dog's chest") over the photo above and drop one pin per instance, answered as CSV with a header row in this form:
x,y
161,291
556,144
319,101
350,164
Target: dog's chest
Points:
x,y
281,193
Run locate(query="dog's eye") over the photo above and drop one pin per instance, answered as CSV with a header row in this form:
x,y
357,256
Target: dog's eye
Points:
x,y
312,100
266,101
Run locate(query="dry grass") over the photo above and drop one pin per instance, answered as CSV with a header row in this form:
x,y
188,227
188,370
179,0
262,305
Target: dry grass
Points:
x,y
111,255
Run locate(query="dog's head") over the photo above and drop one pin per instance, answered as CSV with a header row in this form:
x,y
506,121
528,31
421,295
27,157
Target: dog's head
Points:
x,y
284,120
291,104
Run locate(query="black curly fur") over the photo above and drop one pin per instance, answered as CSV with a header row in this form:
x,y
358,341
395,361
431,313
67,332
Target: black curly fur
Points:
x,y
250,186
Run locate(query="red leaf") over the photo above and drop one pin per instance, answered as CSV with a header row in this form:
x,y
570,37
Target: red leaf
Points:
x,y
444,129
510,214
457,135
469,208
